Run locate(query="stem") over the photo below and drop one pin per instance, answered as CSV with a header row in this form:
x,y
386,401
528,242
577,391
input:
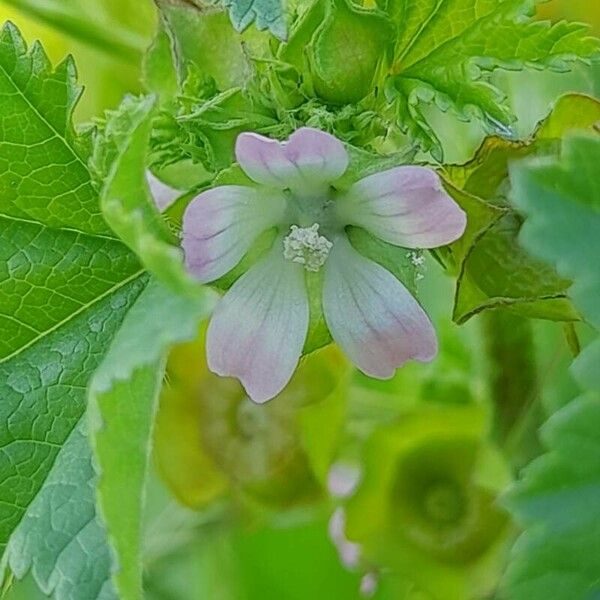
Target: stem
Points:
x,y
514,384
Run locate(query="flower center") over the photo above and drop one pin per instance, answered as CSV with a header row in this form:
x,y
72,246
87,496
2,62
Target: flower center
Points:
x,y
304,245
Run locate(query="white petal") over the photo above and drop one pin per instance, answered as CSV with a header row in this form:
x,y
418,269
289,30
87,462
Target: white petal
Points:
x,y
405,206
220,225
162,194
372,316
259,327
309,158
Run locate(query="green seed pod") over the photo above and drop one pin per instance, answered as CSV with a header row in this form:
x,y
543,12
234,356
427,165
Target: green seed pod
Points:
x,y
428,500
340,49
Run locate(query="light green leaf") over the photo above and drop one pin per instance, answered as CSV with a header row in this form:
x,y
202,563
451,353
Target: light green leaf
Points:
x,y
558,499
447,48
494,268
119,162
65,286
204,40
123,403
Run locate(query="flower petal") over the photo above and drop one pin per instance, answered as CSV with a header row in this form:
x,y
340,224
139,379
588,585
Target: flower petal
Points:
x,y
162,194
259,327
372,316
220,225
405,206
310,157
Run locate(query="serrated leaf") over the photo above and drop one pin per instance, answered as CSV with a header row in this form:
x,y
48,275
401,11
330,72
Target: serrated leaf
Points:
x,y
495,270
61,539
558,498
65,285
447,48
123,403
558,503
43,390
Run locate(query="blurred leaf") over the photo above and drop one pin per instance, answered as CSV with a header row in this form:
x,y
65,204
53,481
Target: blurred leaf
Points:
x,y
123,402
182,462
562,201
558,499
558,503
159,74
119,162
321,423
447,49
495,270
73,19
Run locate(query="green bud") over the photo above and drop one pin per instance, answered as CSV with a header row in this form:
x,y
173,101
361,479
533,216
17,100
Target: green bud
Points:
x,y
340,49
427,502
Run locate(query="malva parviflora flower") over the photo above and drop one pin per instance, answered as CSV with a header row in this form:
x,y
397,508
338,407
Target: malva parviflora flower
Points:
x,y
260,326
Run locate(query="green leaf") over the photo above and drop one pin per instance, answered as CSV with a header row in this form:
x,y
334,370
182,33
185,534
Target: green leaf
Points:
x,y
558,499
119,162
562,199
494,269
123,403
65,285
204,40
447,49
61,538
558,503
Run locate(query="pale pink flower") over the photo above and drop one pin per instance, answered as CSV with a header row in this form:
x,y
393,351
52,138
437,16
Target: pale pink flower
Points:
x,y
259,328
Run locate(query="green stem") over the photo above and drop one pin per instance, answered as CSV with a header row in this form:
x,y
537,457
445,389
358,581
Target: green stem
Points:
x,y
112,40
514,384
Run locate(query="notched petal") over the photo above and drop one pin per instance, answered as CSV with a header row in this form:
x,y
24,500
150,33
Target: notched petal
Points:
x,y
258,329
405,206
372,316
310,157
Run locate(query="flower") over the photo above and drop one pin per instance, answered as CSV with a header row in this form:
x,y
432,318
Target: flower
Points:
x,y
259,327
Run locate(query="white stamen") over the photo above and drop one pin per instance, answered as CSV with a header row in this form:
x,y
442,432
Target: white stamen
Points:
x,y
304,245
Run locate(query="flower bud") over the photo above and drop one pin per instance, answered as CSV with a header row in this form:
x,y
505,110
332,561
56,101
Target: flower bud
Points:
x,y
428,498
340,49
